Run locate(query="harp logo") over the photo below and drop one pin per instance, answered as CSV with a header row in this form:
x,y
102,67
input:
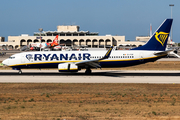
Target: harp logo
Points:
x,y
29,56
161,37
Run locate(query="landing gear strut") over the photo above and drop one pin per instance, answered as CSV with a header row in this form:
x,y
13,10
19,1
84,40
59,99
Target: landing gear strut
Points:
x,y
88,71
20,72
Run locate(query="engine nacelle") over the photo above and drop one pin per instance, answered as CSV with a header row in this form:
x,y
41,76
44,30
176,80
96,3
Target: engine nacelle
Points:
x,y
67,67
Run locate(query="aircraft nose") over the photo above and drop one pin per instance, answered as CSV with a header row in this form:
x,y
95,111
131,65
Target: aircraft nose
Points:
x,y
5,62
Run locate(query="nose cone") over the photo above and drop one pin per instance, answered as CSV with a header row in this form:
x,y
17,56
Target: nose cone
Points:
x,y
5,62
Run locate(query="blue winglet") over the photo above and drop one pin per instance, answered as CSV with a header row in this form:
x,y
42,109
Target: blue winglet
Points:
x,y
108,53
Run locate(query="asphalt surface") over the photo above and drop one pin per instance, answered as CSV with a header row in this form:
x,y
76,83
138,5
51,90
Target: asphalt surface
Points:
x,y
98,76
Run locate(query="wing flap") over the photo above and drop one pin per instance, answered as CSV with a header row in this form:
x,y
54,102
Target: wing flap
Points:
x,y
93,64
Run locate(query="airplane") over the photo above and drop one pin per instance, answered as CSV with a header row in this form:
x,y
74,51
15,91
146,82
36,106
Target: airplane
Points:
x,y
73,61
54,43
38,46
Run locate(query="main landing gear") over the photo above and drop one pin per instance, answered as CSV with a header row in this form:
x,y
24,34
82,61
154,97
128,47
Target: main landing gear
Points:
x,y
88,71
20,72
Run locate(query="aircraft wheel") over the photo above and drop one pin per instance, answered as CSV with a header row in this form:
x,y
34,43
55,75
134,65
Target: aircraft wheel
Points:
x,y
20,72
88,71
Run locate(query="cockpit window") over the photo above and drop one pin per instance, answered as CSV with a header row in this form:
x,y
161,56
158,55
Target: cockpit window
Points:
x,y
12,57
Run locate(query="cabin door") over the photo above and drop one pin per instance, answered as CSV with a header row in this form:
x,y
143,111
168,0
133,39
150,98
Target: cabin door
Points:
x,y
22,58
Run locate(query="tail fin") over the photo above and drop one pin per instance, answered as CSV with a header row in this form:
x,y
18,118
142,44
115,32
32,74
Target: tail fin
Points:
x,y
159,39
56,39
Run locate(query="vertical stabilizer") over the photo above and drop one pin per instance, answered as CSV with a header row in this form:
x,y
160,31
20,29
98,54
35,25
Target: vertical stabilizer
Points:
x,y
56,39
158,40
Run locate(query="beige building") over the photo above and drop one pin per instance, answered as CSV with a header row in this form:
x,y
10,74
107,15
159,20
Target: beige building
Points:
x,y
142,38
3,43
146,38
2,39
72,36
68,36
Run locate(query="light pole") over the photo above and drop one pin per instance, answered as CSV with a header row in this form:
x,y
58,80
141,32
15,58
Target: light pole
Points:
x,y
171,5
40,30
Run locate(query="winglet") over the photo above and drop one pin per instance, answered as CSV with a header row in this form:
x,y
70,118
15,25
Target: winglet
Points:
x,y
108,53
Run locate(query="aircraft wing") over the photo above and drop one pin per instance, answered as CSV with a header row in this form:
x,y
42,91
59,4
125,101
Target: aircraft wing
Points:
x,y
91,63
95,63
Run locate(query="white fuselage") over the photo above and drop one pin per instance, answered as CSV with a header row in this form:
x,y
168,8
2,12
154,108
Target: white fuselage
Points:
x,y
50,59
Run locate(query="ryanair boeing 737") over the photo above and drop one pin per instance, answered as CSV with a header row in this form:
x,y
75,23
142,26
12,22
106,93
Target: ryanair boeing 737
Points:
x,y
73,61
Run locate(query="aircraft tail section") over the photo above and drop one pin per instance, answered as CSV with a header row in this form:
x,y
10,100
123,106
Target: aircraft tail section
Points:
x,y
55,41
159,39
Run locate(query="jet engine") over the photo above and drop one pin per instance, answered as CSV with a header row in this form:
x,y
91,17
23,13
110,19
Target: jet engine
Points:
x,y
68,67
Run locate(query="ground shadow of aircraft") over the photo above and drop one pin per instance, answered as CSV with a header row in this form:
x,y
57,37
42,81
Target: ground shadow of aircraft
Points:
x,y
107,73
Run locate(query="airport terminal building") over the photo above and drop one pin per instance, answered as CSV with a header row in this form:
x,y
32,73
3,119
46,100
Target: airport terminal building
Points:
x,y
70,36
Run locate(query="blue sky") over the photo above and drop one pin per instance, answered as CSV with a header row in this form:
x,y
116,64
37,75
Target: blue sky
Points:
x,y
116,17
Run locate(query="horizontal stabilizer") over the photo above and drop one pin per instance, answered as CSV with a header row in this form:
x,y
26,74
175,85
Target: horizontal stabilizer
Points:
x,y
172,53
163,53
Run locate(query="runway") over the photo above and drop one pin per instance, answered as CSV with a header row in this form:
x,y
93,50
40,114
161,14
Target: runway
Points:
x,y
98,76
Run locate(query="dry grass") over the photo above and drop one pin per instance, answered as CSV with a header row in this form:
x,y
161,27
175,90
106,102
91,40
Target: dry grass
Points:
x,y
158,65
89,101
93,101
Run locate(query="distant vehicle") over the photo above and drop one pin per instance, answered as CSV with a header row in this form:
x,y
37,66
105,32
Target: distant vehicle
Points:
x,y
38,46
73,61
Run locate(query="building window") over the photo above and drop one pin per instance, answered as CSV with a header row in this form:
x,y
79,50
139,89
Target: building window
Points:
x,y
75,34
81,34
62,34
68,34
